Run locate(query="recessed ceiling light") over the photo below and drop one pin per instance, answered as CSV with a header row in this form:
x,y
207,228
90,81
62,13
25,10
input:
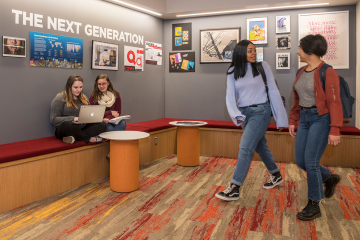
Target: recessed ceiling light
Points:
x,y
133,6
253,9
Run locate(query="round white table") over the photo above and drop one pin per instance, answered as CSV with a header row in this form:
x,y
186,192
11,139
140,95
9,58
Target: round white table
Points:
x,y
124,159
188,142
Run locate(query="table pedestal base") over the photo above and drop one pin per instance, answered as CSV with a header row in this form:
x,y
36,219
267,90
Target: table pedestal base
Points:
x,y
124,165
188,146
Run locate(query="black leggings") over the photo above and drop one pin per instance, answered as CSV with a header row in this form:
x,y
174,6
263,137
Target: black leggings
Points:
x,y
84,134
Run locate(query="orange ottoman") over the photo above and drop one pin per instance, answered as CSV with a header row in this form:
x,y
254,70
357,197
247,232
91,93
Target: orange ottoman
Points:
x,y
124,159
188,142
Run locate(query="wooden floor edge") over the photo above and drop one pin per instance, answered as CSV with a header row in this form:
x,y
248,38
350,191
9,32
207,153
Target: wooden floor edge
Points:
x,y
49,155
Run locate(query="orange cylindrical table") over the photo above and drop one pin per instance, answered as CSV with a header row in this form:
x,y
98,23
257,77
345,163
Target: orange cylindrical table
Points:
x,y
124,159
188,142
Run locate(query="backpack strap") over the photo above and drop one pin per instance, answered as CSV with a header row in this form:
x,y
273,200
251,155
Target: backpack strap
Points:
x,y
322,73
263,75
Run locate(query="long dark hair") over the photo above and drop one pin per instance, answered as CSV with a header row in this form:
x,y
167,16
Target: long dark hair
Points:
x,y
239,61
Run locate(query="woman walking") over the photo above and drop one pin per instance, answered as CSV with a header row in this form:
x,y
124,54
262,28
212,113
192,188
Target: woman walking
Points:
x,y
321,116
250,103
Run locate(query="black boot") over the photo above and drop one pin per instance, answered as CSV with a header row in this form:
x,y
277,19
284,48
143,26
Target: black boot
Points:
x,y
310,212
330,185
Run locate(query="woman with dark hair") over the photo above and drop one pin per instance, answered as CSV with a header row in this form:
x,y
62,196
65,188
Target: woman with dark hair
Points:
x,y
320,114
250,104
65,110
105,94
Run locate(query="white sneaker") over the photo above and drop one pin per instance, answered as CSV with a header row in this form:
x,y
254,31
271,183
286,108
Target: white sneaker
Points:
x,y
69,139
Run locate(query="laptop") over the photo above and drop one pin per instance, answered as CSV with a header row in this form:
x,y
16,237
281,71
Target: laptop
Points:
x,y
91,114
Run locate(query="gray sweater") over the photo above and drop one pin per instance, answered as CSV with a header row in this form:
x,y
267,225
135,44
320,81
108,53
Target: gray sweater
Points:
x,y
60,112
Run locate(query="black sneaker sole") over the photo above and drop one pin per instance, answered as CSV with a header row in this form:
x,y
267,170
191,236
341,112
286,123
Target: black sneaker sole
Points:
x,y
308,219
270,187
226,198
333,189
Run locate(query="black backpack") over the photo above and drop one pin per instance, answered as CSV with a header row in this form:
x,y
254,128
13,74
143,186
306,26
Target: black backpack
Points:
x,y
347,101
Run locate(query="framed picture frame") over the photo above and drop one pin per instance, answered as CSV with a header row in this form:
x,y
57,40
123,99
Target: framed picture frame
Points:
x,y
181,62
283,60
257,30
336,33
14,47
105,56
259,54
283,24
181,36
282,42
217,45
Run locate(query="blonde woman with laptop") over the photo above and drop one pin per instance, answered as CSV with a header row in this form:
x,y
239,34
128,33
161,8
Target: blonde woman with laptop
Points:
x,y
64,114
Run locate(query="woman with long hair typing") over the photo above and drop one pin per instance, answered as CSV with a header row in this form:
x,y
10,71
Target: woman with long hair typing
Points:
x,y
65,110
249,103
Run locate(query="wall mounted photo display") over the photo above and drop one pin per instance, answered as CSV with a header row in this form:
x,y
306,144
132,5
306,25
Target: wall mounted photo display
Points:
x,y
105,56
259,54
283,60
181,36
182,62
153,53
257,30
334,26
133,58
283,24
14,47
49,50
217,45
282,42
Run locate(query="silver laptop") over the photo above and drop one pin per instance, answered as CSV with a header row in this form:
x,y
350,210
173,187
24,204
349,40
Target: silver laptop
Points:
x,y
91,114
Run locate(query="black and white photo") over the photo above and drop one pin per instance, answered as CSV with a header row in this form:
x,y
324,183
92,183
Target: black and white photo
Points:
x,y
283,42
217,45
283,60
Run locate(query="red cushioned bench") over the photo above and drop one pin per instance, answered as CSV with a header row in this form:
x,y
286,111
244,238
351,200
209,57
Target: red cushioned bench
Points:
x,y
31,148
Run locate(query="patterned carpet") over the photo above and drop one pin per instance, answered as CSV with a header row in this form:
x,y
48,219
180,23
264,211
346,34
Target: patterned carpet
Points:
x,y
176,202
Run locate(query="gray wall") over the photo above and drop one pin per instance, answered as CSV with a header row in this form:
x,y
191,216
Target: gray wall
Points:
x,y
201,95
26,92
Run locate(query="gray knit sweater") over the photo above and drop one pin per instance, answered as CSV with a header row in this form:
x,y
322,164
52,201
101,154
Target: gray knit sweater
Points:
x,y
60,112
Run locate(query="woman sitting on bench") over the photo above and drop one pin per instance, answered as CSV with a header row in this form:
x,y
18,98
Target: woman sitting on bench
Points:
x,y
105,94
64,114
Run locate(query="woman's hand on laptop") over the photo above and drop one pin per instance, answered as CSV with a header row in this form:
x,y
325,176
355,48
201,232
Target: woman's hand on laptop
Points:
x,y
106,120
76,119
115,113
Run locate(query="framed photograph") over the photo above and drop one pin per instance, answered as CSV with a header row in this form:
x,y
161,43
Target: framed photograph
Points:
x,y
257,30
259,54
283,24
283,60
282,42
14,47
217,45
334,26
182,62
181,36
105,56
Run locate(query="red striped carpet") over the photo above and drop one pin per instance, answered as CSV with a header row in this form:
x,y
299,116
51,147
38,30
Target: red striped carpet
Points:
x,y
176,202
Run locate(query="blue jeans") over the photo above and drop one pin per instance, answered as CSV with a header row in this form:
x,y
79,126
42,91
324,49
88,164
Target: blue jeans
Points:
x,y
310,143
121,126
253,139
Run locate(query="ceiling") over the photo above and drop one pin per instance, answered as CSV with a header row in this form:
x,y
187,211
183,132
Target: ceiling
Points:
x,y
170,8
